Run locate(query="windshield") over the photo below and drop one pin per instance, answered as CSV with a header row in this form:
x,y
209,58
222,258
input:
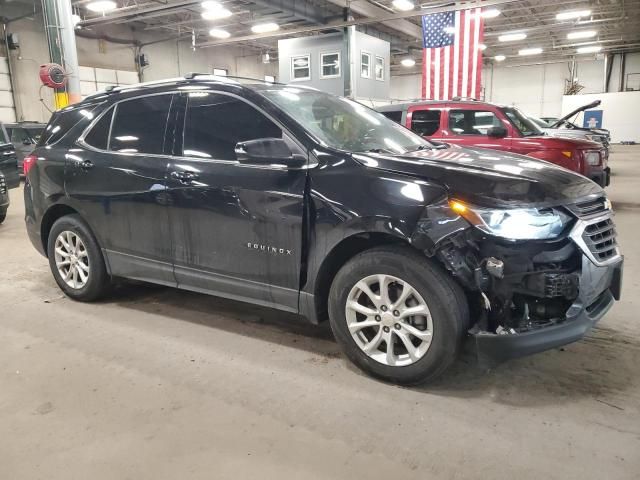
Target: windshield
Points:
x,y
519,120
35,133
343,124
539,122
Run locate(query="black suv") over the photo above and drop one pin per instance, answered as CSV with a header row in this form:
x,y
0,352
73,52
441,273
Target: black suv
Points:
x,y
295,199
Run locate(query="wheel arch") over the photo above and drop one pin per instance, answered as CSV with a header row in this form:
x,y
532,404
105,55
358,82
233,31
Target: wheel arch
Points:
x,y
340,254
54,213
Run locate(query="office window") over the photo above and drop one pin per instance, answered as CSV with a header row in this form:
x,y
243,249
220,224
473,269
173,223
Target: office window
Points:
x,y
300,67
214,123
330,65
379,68
365,65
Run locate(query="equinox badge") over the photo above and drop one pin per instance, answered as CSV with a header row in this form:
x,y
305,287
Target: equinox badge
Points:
x,y
268,249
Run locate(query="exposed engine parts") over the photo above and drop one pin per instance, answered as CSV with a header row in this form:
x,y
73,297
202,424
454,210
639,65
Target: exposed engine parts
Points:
x,y
516,286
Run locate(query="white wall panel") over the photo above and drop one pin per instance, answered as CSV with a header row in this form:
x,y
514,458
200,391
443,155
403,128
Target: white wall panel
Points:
x,y
87,74
6,99
126,77
104,75
7,114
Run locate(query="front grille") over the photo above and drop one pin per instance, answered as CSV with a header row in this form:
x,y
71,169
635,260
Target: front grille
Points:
x,y
600,239
590,207
3,186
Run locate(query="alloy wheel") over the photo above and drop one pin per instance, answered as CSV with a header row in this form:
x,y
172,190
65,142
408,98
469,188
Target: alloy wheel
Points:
x,y
389,320
72,260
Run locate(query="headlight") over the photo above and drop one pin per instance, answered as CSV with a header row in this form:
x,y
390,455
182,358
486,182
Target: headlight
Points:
x,y
592,158
514,223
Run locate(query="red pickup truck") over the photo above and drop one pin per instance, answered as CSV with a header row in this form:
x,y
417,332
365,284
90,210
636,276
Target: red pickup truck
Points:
x,y
481,124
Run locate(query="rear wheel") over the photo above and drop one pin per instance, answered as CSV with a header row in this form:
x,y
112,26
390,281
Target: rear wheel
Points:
x,y
3,216
397,316
76,260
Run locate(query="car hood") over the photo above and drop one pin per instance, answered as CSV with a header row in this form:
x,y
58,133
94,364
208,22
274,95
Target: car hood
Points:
x,y
488,177
593,104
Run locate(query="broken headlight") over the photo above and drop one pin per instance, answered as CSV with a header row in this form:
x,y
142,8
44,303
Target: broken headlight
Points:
x,y
514,223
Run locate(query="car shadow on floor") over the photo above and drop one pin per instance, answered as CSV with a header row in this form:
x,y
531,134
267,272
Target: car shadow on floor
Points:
x,y
601,366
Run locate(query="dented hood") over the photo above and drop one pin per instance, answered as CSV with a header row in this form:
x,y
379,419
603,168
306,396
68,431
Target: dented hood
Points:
x,y
488,177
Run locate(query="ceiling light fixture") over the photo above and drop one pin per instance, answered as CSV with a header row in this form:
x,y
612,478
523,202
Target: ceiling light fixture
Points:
x,y
216,13
573,14
219,33
512,37
499,58
482,47
403,5
530,51
581,34
408,62
265,27
102,6
589,49
490,13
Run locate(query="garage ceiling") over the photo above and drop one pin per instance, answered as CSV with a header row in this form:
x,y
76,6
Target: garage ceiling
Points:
x,y
617,23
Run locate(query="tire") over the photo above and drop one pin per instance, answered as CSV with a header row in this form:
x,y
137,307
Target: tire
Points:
x,y
446,304
3,216
92,282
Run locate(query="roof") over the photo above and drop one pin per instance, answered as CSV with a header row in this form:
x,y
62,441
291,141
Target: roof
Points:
x,y
405,105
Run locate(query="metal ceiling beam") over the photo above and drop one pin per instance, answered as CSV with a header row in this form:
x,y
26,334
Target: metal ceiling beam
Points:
x,y
126,12
368,10
360,21
298,8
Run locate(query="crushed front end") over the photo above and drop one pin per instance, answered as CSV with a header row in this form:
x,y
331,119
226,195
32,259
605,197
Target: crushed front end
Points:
x,y
527,296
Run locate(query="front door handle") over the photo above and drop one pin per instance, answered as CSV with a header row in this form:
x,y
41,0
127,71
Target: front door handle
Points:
x,y
184,177
86,165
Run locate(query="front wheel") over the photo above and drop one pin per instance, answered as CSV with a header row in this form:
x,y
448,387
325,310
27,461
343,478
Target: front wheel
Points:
x,y
397,316
76,260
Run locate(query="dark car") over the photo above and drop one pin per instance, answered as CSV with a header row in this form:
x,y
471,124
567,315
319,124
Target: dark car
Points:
x,y
4,198
472,123
295,199
24,136
8,161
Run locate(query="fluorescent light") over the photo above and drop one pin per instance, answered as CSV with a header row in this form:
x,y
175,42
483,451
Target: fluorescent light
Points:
x,y
403,5
210,5
589,49
102,6
482,47
75,19
219,33
573,14
530,51
581,34
265,27
216,13
408,62
499,58
512,37
490,13
450,30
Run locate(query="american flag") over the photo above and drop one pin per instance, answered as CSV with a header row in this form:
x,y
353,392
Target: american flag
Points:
x,y
452,59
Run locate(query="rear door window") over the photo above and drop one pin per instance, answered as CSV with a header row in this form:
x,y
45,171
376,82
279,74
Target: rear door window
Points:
x,y
214,123
472,122
64,120
139,125
425,122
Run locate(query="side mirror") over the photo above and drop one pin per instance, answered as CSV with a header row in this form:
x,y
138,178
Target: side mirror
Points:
x,y
268,151
497,132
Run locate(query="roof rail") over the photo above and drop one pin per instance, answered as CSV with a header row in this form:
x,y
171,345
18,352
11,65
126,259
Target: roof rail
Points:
x,y
193,75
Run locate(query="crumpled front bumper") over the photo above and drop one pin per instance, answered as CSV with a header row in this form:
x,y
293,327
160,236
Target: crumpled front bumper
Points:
x,y
599,287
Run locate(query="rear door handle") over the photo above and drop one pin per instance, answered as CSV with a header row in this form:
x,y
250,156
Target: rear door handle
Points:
x,y
184,177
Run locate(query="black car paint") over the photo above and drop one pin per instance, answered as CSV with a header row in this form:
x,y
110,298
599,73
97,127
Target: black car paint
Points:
x,y
268,236
4,196
9,165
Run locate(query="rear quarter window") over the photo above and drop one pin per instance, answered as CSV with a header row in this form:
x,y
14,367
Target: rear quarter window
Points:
x,y
395,115
64,120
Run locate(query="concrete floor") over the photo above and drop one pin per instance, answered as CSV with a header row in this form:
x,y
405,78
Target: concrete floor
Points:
x,y
156,383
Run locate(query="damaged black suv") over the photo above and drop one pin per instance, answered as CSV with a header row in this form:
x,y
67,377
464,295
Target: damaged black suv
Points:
x,y
295,199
